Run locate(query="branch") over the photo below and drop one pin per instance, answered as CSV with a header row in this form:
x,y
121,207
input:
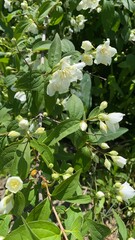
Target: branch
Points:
x,y
53,208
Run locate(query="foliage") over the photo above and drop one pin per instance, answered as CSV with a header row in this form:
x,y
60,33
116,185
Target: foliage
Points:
x,y
62,63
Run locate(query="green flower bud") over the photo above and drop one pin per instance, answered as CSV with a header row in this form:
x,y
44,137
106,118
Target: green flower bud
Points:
x,y
55,176
13,134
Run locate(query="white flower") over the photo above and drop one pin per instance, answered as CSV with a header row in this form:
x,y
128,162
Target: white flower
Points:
x,y
1,237
87,59
24,5
100,194
104,53
83,125
21,96
33,28
85,4
112,121
14,184
132,35
7,5
126,191
86,46
6,204
78,22
119,161
131,238
24,124
66,74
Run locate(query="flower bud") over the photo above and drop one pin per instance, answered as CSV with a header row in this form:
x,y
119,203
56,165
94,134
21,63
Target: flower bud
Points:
x,y
40,130
55,176
13,134
70,170
83,125
107,164
117,185
86,46
24,5
113,153
119,198
104,146
51,165
103,105
14,184
100,194
24,124
103,126
65,176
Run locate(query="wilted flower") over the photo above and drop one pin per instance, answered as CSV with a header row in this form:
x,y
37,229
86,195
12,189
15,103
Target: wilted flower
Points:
x,y
7,5
85,4
6,204
66,74
104,53
78,22
24,124
86,46
83,125
126,191
14,184
100,194
13,134
119,161
21,96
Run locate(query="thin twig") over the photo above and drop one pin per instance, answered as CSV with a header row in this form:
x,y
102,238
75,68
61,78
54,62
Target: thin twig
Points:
x,y
53,209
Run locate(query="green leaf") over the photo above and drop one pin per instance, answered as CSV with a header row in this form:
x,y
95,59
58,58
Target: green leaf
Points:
x,y
86,90
4,224
75,107
67,188
56,16
97,231
54,53
31,234
129,4
44,151
7,158
41,46
62,130
19,204
67,46
94,113
22,160
44,9
40,212
43,230
107,15
121,226
21,27
76,227
109,136
80,199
